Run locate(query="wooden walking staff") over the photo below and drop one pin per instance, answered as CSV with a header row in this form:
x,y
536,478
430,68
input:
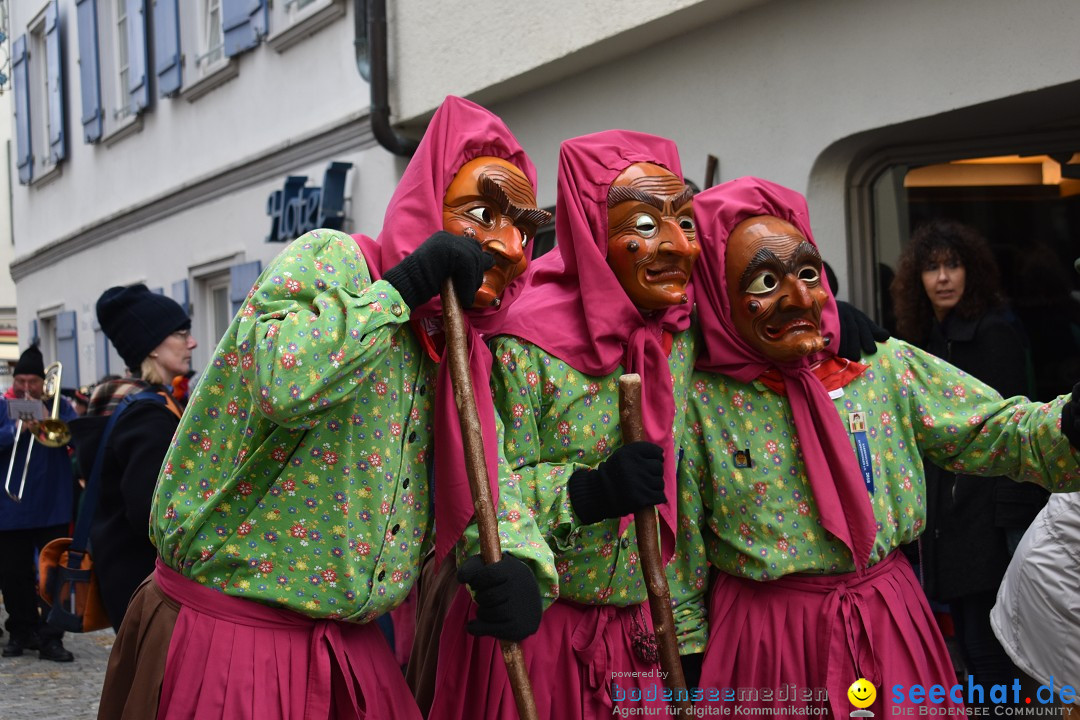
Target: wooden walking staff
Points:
x,y
457,352
648,541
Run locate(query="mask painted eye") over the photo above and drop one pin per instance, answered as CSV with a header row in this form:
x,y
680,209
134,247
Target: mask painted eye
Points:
x,y
764,283
809,275
645,226
483,214
686,223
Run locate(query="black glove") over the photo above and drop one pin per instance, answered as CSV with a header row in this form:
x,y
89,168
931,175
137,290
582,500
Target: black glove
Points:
x,y
1070,419
630,479
691,669
858,332
420,275
506,595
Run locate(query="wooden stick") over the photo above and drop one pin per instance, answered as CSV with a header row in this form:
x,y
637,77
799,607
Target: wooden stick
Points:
x,y
649,550
457,351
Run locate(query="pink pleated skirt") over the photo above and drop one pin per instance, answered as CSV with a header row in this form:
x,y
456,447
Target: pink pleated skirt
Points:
x,y
580,662
233,659
802,640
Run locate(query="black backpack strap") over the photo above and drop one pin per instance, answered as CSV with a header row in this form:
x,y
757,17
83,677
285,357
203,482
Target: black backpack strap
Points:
x,y
93,484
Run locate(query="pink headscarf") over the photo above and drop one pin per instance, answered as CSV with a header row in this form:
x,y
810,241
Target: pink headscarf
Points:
x,y
834,475
459,132
574,307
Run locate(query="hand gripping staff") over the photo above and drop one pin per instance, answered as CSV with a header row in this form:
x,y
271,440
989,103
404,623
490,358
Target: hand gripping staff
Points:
x,y
648,541
457,352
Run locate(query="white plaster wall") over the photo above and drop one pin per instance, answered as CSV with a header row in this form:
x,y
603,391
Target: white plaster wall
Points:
x,y
489,49
276,98
768,90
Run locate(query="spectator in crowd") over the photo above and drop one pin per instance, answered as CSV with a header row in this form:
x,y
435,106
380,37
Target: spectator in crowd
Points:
x,y
948,302
1037,614
152,333
43,513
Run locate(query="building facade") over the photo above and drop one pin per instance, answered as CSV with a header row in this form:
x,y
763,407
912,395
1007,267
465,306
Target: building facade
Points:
x,y
179,142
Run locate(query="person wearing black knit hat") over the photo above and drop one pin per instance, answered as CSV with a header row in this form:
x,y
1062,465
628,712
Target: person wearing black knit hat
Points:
x,y
152,334
139,323
41,514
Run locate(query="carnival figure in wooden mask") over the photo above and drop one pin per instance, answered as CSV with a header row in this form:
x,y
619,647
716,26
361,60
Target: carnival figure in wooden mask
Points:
x,y
614,297
491,201
807,468
774,281
652,241
333,367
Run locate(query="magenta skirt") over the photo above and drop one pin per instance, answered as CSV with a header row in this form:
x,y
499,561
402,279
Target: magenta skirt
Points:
x,y
580,662
233,659
802,640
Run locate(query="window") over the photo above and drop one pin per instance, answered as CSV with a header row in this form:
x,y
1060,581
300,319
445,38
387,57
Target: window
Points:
x,y
38,83
46,326
112,66
122,107
39,92
294,20
212,314
207,62
211,39
293,7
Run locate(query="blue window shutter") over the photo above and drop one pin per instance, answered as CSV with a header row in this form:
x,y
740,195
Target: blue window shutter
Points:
x,y
33,339
244,23
167,63
180,294
24,150
67,348
138,85
89,70
241,278
54,79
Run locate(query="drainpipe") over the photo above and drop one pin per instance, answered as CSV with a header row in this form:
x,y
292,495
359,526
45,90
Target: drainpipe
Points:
x,y
370,47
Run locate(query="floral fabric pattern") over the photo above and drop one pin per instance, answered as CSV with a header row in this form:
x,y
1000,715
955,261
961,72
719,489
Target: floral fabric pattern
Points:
x,y
761,517
557,420
299,474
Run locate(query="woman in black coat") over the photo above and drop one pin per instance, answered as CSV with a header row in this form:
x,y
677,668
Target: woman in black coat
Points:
x,y
948,301
152,334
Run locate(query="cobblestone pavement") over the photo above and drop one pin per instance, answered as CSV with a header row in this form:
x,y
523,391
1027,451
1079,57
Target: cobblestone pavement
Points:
x,y
36,689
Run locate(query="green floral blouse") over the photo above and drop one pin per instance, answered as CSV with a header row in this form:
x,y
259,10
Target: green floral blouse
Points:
x,y
556,420
762,521
298,476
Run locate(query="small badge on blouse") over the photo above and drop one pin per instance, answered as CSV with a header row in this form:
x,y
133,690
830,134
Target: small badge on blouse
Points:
x,y
741,458
857,424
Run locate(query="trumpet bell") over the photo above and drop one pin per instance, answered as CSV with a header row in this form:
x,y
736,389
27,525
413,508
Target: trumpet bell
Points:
x,y
53,433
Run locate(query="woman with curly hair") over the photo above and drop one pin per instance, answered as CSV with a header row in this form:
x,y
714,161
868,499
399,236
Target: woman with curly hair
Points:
x,y
948,301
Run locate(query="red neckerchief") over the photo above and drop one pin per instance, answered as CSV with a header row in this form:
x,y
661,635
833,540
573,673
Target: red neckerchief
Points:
x,y
834,372
432,343
667,340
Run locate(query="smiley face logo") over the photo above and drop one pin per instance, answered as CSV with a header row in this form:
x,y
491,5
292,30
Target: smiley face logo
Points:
x,y
862,693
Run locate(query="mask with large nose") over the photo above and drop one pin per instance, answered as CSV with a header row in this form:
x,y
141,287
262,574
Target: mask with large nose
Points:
x,y
492,202
652,239
775,289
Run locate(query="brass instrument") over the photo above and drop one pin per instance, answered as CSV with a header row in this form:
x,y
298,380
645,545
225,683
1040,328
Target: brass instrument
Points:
x,y
50,432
